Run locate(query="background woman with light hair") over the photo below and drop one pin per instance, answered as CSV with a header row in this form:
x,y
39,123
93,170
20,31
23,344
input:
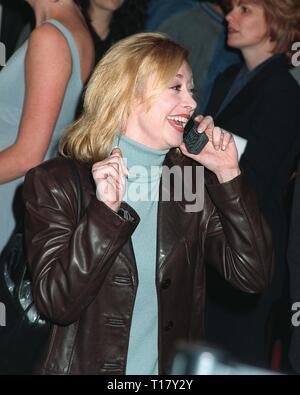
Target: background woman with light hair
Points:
x,y
259,102
125,282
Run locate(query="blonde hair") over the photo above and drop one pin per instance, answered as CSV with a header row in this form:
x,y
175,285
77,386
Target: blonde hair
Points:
x,y
120,77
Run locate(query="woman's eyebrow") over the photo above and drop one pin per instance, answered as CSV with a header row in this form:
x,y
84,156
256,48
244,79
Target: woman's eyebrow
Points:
x,y
181,77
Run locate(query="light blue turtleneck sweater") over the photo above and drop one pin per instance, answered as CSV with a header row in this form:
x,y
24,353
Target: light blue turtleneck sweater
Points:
x,y
142,190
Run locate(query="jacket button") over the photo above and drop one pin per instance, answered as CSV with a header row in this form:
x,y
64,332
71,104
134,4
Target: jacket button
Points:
x,y
168,326
166,283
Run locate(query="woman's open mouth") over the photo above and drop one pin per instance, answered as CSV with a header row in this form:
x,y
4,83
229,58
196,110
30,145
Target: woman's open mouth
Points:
x,y
178,122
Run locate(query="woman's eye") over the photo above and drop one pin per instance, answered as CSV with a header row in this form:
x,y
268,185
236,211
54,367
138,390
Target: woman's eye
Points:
x,y
176,88
245,10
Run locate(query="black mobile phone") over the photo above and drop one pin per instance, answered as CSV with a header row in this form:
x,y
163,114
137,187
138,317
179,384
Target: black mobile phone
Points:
x,y
194,141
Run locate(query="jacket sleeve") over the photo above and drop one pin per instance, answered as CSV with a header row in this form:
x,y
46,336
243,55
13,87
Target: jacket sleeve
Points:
x,y
69,261
238,242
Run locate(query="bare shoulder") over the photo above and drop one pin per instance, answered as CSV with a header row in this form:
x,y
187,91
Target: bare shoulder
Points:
x,y
49,41
48,51
48,37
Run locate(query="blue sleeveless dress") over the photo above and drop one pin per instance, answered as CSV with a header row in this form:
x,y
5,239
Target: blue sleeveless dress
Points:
x,y
12,92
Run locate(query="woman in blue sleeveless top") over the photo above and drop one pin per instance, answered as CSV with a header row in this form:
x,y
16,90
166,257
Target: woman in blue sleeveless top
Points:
x,y
40,87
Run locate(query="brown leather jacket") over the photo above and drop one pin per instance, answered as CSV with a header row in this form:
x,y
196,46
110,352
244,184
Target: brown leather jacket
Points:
x,y
85,277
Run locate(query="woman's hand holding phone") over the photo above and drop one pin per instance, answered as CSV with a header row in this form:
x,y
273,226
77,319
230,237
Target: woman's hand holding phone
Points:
x,y
218,153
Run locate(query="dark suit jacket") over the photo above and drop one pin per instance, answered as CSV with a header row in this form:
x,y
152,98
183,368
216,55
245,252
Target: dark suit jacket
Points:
x,y
266,112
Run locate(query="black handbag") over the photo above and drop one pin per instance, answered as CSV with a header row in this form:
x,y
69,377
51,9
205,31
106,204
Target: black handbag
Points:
x,y
25,331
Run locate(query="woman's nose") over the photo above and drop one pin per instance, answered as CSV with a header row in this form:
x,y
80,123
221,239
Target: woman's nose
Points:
x,y
231,14
191,103
228,16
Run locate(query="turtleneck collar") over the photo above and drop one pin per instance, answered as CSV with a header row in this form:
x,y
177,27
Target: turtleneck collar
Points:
x,y
144,163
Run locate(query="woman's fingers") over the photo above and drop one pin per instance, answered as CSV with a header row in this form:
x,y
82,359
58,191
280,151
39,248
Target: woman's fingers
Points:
x,y
199,118
220,138
114,160
226,138
206,124
110,184
110,179
117,153
217,138
105,171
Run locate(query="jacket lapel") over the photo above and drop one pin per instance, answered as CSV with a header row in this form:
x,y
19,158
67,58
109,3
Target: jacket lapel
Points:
x,y
224,83
174,222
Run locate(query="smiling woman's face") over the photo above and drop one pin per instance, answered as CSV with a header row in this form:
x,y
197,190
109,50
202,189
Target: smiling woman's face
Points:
x,y
161,126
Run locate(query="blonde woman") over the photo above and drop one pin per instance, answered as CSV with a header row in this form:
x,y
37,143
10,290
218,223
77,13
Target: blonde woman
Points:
x,y
126,282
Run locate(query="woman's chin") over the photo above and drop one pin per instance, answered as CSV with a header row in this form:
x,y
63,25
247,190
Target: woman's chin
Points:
x,y
232,43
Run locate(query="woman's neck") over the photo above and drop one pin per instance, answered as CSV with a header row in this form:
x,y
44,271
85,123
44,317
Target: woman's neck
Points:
x,y
255,56
138,154
100,20
57,10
